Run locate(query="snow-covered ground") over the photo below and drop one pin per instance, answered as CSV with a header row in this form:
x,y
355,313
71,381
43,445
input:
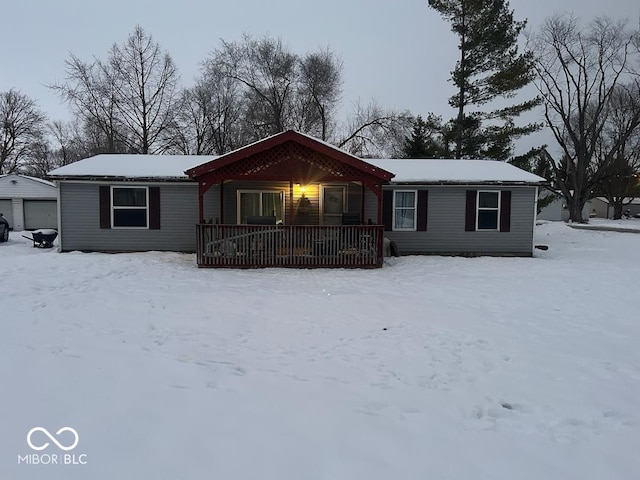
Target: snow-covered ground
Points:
x,y
602,223
430,368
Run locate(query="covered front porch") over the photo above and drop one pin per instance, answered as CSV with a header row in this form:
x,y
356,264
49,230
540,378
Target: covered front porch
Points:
x,y
289,201
304,246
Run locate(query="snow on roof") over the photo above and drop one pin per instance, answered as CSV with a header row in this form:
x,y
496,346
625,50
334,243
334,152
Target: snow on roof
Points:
x,y
132,166
454,171
405,170
35,179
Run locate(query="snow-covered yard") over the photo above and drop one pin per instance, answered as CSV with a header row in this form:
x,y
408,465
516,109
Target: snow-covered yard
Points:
x,y
430,368
622,225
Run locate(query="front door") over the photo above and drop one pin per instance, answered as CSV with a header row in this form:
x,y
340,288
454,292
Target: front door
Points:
x,y
333,204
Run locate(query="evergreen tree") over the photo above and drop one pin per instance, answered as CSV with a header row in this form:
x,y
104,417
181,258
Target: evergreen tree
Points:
x,y
416,145
430,138
490,67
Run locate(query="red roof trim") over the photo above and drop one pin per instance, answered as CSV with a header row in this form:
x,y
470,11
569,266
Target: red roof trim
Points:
x,y
289,135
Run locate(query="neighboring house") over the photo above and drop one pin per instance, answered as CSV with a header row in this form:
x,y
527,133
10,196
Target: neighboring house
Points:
x,y
603,209
28,203
557,210
292,200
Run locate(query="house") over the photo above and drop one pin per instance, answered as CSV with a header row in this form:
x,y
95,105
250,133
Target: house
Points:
x,y
603,209
557,210
28,203
293,200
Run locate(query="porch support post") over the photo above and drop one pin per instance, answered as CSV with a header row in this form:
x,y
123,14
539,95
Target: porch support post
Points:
x,y
201,201
290,202
222,202
378,192
362,193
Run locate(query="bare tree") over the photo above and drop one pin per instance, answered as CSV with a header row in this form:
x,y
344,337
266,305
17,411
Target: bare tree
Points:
x,y
578,72
209,119
146,89
130,97
257,87
91,91
266,69
71,142
319,90
373,131
190,134
620,180
22,127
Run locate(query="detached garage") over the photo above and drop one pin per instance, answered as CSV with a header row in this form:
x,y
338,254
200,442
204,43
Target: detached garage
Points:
x,y
28,203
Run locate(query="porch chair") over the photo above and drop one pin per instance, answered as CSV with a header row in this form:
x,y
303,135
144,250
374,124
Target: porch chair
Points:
x,y
351,238
261,220
262,242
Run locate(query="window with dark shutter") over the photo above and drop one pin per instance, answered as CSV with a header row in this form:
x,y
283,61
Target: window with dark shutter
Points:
x,y
488,215
423,203
470,213
405,206
154,208
505,211
130,207
105,206
387,209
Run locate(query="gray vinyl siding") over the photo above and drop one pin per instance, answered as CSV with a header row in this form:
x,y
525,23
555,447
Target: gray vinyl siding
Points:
x,y
354,195
25,188
446,224
212,205
311,217
80,220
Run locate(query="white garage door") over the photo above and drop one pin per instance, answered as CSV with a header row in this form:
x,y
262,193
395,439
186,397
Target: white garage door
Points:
x,y
6,209
40,214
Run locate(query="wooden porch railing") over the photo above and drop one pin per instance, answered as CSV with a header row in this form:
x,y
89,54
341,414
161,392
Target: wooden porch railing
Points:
x,y
301,246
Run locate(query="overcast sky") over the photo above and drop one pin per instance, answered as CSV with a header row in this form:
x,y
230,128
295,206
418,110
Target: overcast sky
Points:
x,y
399,52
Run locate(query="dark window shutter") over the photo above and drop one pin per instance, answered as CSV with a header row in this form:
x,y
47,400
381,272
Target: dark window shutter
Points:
x,y
105,206
154,208
505,211
387,209
470,216
423,203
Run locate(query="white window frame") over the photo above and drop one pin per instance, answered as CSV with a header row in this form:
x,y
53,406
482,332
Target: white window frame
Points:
x,y
261,191
414,208
345,200
124,207
493,209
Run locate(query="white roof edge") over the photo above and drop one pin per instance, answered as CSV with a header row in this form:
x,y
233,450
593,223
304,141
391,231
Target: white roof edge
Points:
x,y
404,171
453,171
131,166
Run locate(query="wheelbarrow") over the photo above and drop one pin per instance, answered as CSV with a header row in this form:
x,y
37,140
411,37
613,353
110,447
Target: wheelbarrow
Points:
x,y
42,238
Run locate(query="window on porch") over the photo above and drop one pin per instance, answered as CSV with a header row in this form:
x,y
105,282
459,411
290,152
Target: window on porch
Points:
x,y
264,203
